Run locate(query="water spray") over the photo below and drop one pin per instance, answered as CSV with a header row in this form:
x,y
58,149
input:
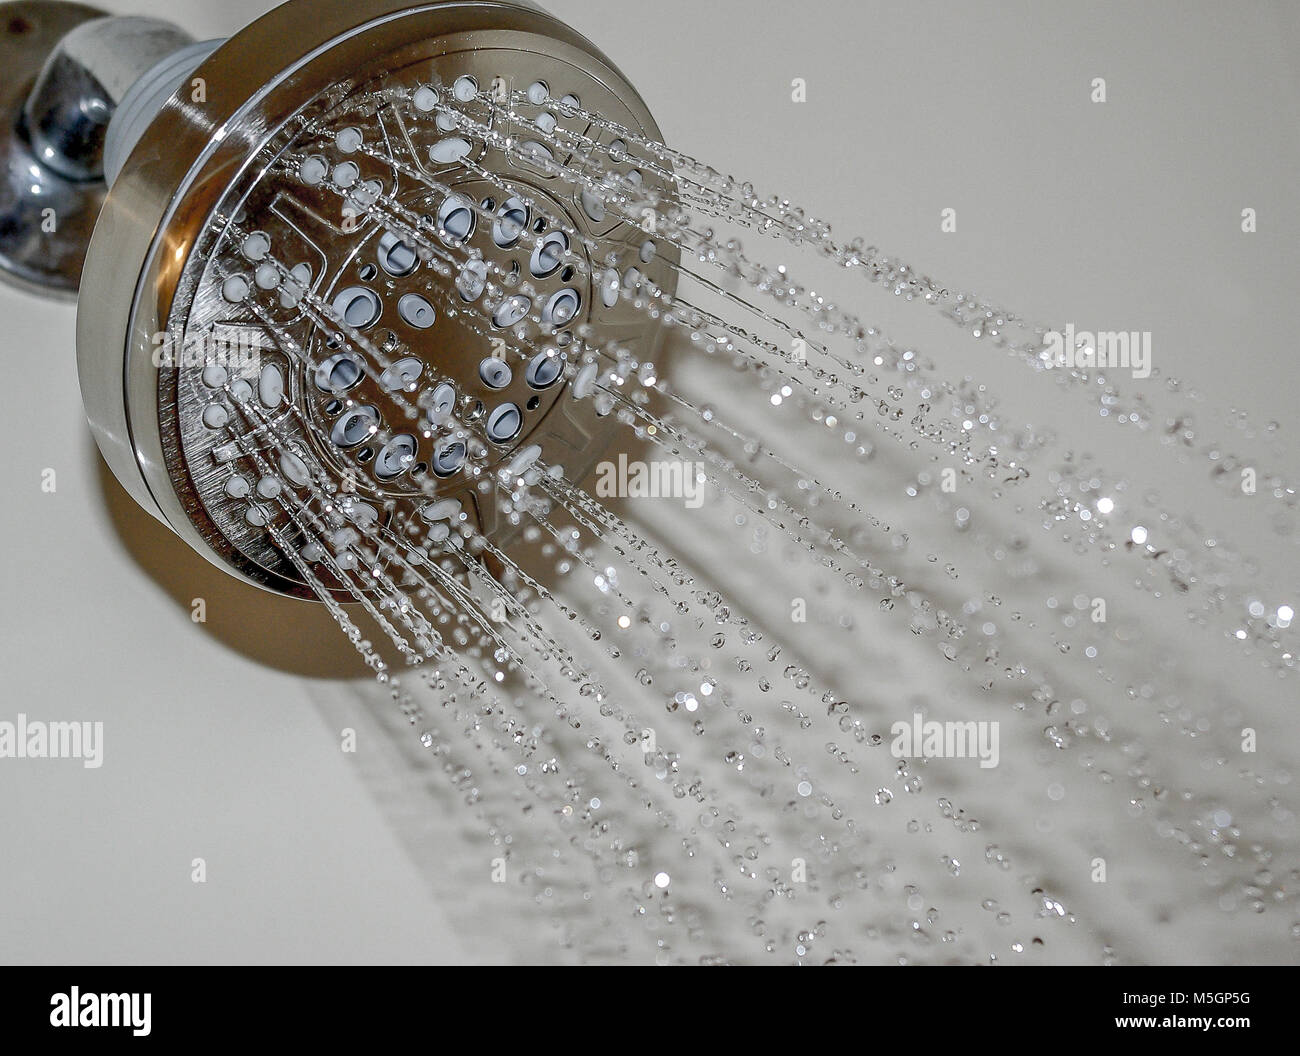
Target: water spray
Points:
x,y
380,305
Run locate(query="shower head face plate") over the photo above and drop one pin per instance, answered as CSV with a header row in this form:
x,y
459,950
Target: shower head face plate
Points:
x,y
402,305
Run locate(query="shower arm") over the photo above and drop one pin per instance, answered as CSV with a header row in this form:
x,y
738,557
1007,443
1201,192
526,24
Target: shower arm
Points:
x,y
69,70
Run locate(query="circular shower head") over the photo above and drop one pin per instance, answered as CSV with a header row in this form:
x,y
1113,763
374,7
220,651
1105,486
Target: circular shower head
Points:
x,y
339,259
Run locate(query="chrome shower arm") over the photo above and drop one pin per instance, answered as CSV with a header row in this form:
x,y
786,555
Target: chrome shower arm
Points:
x,y
67,68
86,76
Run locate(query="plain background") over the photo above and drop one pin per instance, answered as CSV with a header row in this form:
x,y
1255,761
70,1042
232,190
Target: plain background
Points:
x,y
220,746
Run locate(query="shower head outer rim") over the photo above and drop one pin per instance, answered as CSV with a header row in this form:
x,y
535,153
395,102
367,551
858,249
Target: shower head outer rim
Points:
x,y
179,170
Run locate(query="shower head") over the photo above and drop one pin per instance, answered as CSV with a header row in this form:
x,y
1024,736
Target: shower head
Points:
x,y
309,273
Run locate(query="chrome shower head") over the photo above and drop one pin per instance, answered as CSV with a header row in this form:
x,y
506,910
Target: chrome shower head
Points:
x,y
307,274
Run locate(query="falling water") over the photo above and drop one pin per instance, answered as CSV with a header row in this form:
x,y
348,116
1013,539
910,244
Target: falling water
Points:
x,y
688,759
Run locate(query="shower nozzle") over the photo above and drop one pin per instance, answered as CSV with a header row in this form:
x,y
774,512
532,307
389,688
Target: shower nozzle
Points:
x,y
343,253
